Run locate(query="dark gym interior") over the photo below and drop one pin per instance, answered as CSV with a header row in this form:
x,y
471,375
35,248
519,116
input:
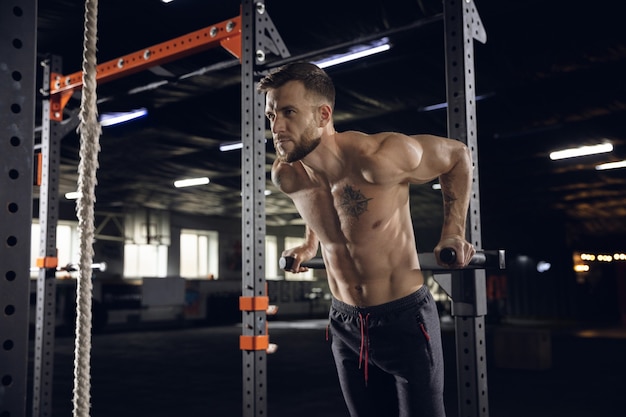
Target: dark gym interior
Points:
x,y
549,77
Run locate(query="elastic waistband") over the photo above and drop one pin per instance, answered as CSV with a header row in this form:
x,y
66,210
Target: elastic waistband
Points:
x,y
410,301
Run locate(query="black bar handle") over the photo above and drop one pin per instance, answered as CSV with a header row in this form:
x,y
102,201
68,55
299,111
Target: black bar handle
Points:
x,y
448,256
494,259
286,263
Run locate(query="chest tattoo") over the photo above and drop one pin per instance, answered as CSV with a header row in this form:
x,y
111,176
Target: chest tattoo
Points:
x,y
353,202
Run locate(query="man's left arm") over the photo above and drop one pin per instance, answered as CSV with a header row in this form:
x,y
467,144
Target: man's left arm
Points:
x,y
456,186
450,161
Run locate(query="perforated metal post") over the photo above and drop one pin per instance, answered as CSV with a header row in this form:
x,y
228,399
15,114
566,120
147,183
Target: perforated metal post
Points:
x,y
18,26
469,306
259,39
51,135
253,215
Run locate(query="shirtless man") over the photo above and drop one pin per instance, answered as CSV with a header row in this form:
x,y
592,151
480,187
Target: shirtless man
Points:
x,y
352,190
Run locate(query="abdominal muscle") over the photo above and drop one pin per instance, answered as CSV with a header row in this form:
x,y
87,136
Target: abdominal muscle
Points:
x,y
374,274
369,249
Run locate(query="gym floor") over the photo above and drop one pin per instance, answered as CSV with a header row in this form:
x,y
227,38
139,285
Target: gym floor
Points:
x,y
197,371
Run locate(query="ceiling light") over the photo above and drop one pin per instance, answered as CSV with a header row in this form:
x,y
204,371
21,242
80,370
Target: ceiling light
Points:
x,y
190,182
581,151
543,266
612,165
357,52
231,146
110,119
74,195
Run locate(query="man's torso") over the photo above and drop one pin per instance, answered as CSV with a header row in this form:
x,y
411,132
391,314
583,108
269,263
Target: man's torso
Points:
x,y
363,222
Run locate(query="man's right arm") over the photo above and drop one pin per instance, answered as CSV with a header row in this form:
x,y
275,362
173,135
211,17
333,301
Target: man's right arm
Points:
x,y
304,252
285,177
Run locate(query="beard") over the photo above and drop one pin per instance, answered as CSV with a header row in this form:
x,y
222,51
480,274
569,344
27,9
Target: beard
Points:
x,y
308,142
301,150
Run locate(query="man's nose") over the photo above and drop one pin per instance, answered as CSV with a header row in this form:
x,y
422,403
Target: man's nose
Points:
x,y
277,125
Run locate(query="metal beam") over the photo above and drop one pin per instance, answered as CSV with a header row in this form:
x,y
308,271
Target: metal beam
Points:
x,y
259,38
226,34
18,28
254,325
47,261
462,25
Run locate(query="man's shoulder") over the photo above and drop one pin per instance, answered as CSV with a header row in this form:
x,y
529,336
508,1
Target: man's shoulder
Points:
x,y
350,135
289,177
365,143
282,175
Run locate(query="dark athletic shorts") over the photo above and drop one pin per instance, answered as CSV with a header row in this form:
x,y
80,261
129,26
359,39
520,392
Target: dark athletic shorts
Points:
x,y
389,357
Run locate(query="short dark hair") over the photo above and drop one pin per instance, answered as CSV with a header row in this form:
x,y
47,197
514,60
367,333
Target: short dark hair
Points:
x,y
315,80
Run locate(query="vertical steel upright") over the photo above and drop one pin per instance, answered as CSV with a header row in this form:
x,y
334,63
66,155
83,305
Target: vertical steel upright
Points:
x,y
254,325
51,135
18,28
469,306
259,38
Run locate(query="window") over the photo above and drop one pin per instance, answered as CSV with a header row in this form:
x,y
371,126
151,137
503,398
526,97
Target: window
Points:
x,y
145,261
291,242
271,257
199,254
67,244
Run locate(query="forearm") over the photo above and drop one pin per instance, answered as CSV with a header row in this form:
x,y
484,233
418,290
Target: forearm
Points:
x,y
456,186
304,252
311,242
308,249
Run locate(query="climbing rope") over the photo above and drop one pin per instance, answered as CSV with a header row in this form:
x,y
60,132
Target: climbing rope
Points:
x,y
90,130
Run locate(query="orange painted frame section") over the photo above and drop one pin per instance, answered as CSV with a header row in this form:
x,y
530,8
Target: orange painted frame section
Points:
x,y
254,342
38,168
47,262
259,303
226,34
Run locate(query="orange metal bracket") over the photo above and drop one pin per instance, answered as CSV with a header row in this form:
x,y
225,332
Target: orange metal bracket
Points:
x,y
47,262
38,167
262,342
254,342
226,34
260,303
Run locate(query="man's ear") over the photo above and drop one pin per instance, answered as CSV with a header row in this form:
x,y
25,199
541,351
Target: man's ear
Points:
x,y
326,113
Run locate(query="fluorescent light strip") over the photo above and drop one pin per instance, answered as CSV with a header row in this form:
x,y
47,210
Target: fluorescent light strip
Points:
x,y
581,151
110,119
611,165
444,105
74,195
190,182
356,54
231,146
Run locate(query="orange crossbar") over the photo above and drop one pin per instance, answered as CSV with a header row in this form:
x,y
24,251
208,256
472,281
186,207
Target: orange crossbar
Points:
x,y
260,303
226,34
